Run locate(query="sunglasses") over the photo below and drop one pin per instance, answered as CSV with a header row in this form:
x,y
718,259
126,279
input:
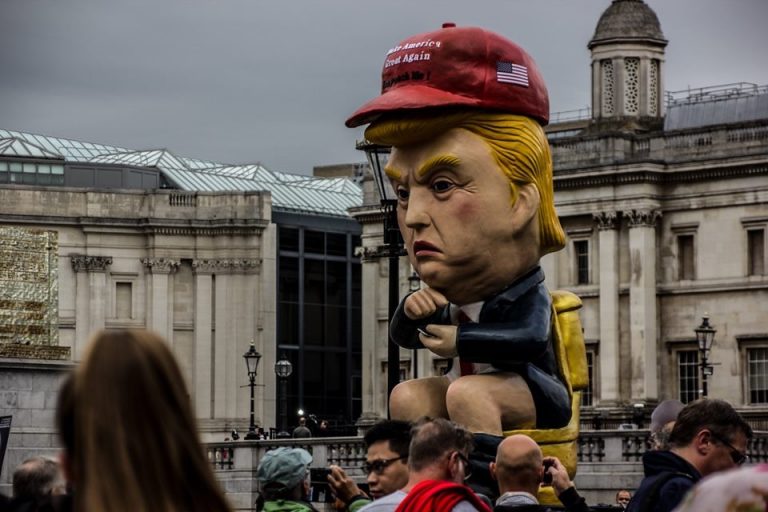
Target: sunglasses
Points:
x,y
467,470
378,466
737,457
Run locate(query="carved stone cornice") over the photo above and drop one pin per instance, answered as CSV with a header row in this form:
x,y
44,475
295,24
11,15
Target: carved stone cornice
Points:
x,y
606,220
367,214
206,231
226,266
574,179
161,265
642,218
85,263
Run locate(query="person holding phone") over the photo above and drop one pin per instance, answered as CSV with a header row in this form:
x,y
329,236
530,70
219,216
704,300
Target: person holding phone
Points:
x,y
386,465
520,469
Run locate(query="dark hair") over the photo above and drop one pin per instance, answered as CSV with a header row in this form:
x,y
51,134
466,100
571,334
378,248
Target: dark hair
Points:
x,y
36,477
65,413
397,432
128,429
433,438
717,416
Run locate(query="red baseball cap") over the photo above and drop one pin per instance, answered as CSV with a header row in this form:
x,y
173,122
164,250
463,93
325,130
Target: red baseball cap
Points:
x,y
458,66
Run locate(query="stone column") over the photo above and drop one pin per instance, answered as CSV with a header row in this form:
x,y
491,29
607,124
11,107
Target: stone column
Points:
x,y
374,388
223,399
234,293
266,328
246,316
642,304
203,370
160,296
607,224
91,295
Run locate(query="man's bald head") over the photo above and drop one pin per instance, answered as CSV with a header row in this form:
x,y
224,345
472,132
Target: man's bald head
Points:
x,y
518,465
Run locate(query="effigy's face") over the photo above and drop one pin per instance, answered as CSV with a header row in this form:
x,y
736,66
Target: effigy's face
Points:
x,y
454,211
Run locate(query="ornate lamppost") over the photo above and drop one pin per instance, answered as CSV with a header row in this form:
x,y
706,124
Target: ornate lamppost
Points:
x,y
393,246
283,370
252,359
705,335
414,285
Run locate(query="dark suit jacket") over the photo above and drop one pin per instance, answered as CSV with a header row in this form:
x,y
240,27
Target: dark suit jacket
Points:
x,y
514,334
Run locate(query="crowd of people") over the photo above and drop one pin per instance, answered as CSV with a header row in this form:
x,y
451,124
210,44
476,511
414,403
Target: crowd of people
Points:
x,y
706,438
130,443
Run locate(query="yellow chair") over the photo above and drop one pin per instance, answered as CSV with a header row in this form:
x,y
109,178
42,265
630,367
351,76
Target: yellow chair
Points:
x,y
572,362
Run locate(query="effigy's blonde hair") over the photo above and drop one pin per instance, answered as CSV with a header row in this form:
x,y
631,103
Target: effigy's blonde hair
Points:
x,y
517,143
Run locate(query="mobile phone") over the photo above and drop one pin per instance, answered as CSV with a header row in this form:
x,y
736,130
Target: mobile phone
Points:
x,y
547,479
425,333
320,491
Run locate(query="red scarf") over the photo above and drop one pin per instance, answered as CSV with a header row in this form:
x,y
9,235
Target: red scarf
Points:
x,y
439,496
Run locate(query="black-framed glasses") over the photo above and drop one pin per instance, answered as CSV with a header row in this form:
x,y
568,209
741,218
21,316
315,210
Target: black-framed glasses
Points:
x,y
467,469
738,457
378,466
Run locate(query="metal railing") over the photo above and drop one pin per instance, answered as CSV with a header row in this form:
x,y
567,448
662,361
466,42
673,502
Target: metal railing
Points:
x,y
714,93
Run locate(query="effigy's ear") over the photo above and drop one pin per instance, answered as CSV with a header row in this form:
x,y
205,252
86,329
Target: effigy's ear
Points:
x,y
526,206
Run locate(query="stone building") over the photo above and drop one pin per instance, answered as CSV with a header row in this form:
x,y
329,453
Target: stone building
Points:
x,y
664,199
212,257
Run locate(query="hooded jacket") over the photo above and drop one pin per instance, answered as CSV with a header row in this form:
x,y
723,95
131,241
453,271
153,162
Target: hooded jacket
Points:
x,y
678,477
287,506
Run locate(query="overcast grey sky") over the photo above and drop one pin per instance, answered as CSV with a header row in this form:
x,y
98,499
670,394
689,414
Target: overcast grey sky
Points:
x,y
241,81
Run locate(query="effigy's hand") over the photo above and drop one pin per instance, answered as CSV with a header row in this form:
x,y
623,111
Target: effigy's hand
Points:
x,y
440,339
423,303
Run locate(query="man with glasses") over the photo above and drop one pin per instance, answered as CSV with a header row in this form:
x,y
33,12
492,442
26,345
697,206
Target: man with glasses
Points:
x,y
438,465
709,436
386,465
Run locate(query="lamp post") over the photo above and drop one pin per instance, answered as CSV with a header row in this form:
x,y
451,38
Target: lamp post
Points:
x,y
283,370
638,414
414,285
252,359
705,335
393,247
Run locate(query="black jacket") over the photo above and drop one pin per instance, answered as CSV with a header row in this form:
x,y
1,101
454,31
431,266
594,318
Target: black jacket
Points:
x,y
570,498
668,478
514,333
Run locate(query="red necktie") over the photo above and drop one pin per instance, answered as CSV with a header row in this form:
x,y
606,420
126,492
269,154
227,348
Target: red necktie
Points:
x,y
465,367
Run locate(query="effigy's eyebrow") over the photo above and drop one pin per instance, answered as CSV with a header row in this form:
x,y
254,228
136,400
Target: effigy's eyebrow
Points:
x,y
392,173
437,162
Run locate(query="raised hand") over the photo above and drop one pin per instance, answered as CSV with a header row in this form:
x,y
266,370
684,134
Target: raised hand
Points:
x,y
423,303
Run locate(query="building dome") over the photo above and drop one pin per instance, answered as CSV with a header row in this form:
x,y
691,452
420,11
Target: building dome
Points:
x,y
628,20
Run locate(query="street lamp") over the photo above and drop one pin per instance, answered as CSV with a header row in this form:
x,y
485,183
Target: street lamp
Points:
x,y
414,285
252,359
705,335
393,246
414,282
283,370
638,414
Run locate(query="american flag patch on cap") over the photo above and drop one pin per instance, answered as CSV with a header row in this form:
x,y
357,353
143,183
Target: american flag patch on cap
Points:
x,y
509,73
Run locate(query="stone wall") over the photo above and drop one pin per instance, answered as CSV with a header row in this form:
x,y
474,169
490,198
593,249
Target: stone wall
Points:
x,y
28,392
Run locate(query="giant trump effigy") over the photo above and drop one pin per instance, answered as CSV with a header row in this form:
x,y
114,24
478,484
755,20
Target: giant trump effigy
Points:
x,y
463,109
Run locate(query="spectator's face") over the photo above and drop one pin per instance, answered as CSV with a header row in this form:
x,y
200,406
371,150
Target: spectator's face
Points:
x,y
389,476
721,456
622,498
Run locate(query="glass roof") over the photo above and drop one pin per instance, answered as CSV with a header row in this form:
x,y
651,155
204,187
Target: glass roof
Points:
x,y
13,146
290,192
